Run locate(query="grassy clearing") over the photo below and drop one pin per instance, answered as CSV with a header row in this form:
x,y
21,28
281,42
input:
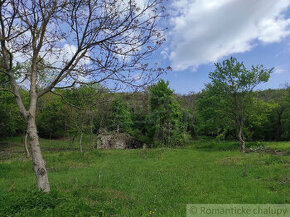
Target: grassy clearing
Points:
x,y
151,182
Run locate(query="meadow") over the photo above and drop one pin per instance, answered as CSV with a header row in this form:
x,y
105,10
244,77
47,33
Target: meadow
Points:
x,y
143,182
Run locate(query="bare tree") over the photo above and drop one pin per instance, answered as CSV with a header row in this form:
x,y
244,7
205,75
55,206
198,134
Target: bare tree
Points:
x,y
71,42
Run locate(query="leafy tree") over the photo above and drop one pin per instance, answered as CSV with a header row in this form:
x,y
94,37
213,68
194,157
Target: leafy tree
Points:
x,y
188,105
137,104
211,115
81,107
234,85
164,115
120,119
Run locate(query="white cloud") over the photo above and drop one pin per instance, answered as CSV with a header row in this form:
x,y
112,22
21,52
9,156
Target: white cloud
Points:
x,y
206,30
279,70
282,69
59,56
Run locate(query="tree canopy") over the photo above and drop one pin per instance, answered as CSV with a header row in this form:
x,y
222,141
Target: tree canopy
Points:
x,y
233,84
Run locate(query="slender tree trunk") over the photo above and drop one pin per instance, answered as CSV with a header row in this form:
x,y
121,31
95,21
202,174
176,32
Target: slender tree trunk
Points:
x,y
195,132
71,142
38,161
81,140
169,135
50,144
91,137
26,146
241,138
279,126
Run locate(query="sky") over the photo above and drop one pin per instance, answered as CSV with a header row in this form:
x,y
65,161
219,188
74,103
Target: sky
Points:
x,y
202,32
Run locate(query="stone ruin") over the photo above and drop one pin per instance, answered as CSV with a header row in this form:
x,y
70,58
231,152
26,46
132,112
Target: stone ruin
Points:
x,y
114,140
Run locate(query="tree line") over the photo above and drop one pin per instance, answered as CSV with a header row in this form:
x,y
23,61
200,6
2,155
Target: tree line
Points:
x,y
157,116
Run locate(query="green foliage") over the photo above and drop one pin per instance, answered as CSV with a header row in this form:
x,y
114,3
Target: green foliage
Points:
x,y
233,77
81,109
84,96
212,117
285,117
4,78
188,120
258,115
158,114
11,122
120,118
276,126
228,103
165,125
51,117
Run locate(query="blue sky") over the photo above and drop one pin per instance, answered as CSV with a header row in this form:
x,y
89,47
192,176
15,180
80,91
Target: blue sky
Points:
x,y
206,31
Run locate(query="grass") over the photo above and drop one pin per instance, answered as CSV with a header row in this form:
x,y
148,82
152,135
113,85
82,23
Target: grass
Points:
x,y
150,182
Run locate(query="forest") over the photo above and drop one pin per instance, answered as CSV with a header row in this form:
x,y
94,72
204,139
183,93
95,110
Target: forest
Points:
x,y
156,116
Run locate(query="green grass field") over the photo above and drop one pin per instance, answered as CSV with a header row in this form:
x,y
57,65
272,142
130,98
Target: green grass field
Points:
x,y
149,182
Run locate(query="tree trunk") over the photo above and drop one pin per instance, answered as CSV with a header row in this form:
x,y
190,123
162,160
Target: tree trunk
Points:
x,y
71,142
279,126
50,145
241,138
91,138
38,162
81,140
195,132
26,146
